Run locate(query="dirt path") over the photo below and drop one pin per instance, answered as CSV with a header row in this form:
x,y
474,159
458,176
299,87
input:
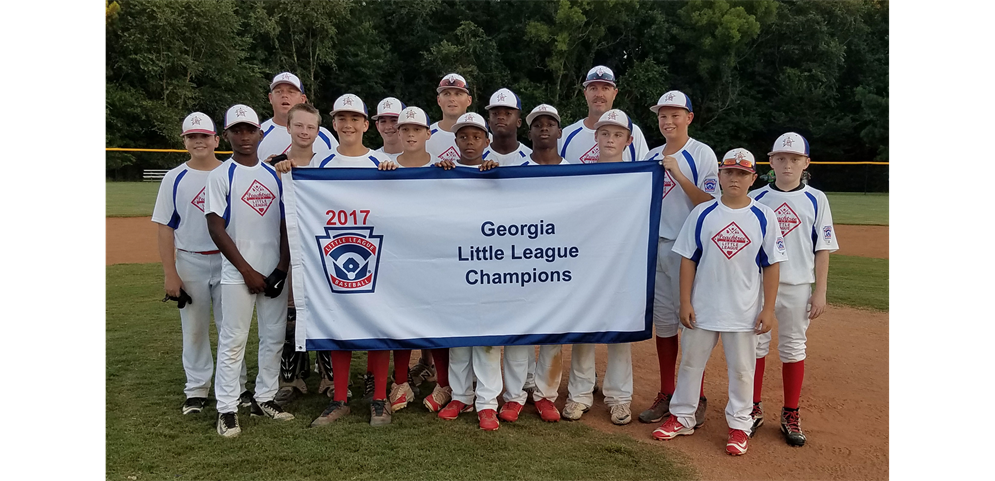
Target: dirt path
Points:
x,y
863,240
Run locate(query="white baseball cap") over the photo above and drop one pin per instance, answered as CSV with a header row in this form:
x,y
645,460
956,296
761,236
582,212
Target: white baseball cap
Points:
x,y
543,109
791,143
389,106
738,158
349,103
600,73
614,117
198,123
504,98
414,116
469,119
240,114
674,98
286,78
453,81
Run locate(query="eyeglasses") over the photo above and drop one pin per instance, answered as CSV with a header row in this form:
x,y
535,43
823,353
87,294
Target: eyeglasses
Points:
x,y
455,83
743,162
601,76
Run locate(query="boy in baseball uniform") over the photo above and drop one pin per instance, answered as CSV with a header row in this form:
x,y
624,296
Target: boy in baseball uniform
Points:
x,y
690,178
190,260
386,120
504,115
349,120
807,223
731,248
286,91
613,132
453,98
245,211
578,144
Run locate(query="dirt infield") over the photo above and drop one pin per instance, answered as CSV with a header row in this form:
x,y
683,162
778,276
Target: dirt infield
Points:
x,y
846,385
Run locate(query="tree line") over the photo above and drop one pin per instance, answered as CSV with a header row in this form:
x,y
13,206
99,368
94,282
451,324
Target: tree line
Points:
x,y
753,69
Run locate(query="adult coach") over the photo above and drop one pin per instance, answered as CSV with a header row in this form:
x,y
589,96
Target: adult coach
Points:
x,y
453,97
578,145
287,91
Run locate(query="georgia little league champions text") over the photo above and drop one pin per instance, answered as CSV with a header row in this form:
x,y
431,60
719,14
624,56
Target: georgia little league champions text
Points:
x,y
492,253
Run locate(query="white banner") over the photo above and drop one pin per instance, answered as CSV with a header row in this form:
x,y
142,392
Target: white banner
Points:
x,y
427,258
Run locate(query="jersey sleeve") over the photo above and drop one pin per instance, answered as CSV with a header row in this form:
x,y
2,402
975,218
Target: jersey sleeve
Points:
x,y
773,244
216,200
639,142
709,179
164,208
824,227
686,244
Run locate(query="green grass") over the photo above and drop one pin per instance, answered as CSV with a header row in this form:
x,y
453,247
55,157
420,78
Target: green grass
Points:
x,y
858,282
148,438
131,199
859,209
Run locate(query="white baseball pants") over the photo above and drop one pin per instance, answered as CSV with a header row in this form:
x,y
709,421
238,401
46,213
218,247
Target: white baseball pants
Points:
x,y
667,292
516,371
484,362
271,320
548,372
617,386
201,276
791,310
740,353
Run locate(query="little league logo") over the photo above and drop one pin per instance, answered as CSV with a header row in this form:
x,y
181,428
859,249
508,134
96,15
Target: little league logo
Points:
x,y
787,218
591,156
258,197
198,200
668,183
779,243
351,258
449,154
827,233
731,239
710,185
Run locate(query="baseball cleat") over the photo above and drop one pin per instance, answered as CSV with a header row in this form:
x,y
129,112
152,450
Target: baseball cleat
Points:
x,y
738,442
245,399
670,429
488,420
269,409
440,397
368,387
791,427
530,390
621,414
658,410
510,411
379,413
453,410
547,411
194,405
699,413
421,373
228,425
334,411
400,396
574,410
290,391
758,417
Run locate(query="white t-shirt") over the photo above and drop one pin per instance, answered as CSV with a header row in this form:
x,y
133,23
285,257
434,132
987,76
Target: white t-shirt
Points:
x,y
697,162
180,205
372,158
807,225
391,156
442,144
276,140
250,200
579,146
515,157
730,246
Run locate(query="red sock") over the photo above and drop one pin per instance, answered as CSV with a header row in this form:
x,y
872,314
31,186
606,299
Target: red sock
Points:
x,y
702,393
401,361
369,364
792,373
441,359
341,362
380,361
666,353
758,378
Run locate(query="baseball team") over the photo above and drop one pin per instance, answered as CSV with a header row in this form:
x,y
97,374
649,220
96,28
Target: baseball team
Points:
x,y
732,263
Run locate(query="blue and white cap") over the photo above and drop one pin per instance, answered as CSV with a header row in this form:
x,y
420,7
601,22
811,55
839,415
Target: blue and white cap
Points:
x,y
286,78
389,106
600,73
241,114
198,123
504,98
414,116
349,103
543,109
614,117
674,98
470,119
791,143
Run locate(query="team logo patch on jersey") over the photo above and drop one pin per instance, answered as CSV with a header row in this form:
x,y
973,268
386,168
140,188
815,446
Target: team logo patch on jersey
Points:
x,y
780,244
258,197
710,185
730,240
449,154
351,258
787,217
591,156
827,233
198,200
668,183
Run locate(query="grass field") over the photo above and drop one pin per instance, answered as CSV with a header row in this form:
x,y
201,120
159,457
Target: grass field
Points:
x,y
858,282
148,438
130,199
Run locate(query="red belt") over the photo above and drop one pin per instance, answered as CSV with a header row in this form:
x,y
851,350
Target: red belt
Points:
x,y
205,253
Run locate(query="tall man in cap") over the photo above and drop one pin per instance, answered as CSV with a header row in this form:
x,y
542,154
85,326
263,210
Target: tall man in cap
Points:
x,y
504,114
386,119
453,98
287,91
578,145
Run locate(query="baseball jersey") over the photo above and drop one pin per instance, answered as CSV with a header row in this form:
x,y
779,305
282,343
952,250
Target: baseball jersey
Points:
x,y
276,140
180,205
807,225
372,158
392,157
730,247
578,145
515,157
250,200
697,162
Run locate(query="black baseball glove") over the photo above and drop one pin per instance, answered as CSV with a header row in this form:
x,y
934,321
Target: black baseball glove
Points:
x,y
274,283
181,301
